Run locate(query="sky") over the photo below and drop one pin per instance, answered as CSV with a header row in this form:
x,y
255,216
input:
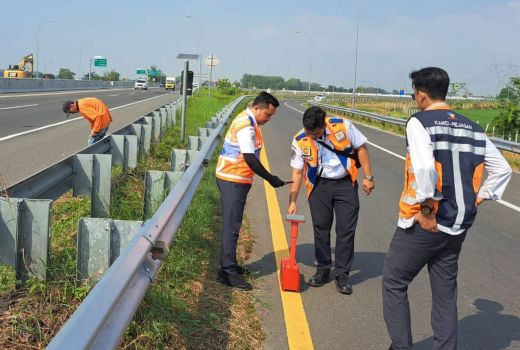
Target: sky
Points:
x,y
476,41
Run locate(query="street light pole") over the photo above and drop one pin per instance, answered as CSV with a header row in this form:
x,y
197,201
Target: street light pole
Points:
x,y
201,44
38,46
80,54
355,60
310,57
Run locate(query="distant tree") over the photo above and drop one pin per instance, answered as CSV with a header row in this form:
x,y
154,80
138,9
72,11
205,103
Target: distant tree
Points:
x,y
93,76
65,73
314,87
111,76
459,89
154,73
225,87
294,84
508,120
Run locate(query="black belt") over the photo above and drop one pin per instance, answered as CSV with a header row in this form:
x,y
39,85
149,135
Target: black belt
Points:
x,y
347,177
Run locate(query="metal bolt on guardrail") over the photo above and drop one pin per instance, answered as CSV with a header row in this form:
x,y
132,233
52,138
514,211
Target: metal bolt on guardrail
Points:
x,y
25,235
124,150
100,242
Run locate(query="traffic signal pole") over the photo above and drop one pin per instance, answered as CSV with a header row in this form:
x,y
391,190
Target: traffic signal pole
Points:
x,y
184,97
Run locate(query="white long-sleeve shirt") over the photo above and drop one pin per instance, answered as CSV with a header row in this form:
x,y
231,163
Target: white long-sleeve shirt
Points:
x,y
421,154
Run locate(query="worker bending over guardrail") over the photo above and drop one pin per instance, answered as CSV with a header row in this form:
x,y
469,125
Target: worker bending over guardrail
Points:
x,y
95,111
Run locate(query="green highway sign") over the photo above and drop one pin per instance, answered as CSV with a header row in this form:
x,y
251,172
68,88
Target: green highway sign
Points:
x,y
100,62
140,71
153,73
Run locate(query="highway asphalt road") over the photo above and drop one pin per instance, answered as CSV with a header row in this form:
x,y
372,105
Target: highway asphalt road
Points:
x,y
489,278
26,148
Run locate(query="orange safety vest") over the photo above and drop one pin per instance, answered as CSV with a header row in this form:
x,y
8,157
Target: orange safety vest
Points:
x,y
231,164
95,112
337,135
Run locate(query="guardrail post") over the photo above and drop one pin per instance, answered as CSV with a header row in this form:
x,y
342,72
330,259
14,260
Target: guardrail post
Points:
x,y
155,124
92,177
124,150
195,142
164,117
100,242
25,235
181,158
204,132
157,186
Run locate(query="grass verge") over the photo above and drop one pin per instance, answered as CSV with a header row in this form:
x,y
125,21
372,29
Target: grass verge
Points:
x,y
512,158
185,308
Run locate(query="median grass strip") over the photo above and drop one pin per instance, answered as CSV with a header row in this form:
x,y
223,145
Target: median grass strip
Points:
x,y
185,308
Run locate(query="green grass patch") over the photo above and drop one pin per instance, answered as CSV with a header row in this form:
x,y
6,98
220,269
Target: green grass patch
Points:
x,y
186,308
482,116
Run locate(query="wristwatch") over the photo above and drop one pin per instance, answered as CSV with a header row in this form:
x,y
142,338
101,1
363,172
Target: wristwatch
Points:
x,y
369,177
426,210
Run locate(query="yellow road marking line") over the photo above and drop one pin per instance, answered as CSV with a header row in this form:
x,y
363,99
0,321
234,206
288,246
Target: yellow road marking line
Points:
x,y
298,333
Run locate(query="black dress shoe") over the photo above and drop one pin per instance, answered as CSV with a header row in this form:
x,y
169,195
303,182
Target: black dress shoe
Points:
x,y
343,284
235,281
319,279
243,271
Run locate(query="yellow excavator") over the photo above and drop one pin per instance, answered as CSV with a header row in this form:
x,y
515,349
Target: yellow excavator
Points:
x,y
24,69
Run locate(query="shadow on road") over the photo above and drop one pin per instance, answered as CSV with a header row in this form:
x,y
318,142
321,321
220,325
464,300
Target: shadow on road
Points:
x,y
366,265
488,329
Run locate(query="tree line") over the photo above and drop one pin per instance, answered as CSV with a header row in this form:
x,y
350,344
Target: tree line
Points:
x,y
155,74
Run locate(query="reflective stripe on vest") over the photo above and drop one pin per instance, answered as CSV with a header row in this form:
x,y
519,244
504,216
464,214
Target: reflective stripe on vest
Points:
x,y
231,165
459,147
337,135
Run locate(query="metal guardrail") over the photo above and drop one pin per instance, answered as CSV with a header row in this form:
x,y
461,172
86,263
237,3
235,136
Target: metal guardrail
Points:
x,y
103,316
498,142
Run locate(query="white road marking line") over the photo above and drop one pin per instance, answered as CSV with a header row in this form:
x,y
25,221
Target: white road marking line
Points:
x,y
114,95
503,202
15,107
69,120
62,93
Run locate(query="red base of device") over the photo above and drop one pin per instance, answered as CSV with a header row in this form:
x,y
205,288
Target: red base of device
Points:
x,y
289,276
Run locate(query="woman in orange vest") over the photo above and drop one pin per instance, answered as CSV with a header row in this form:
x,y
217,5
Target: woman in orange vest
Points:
x,y
95,111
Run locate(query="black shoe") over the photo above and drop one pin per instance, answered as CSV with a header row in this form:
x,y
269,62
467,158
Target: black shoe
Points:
x,y
243,271
319,279
235,281
343,284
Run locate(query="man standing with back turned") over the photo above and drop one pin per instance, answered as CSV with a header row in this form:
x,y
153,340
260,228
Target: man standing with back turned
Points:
x,y
95,111
237,164
447,155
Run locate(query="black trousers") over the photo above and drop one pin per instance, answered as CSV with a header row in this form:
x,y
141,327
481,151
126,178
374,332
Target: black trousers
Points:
x,y
339,198
410,250
233,197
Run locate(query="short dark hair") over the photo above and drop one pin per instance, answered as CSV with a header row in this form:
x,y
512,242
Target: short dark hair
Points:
x,y
265,99
66,106
434,81
314,118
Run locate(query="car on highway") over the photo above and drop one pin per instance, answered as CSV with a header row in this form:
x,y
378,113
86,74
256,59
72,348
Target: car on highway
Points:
x,y
141,84
318,98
